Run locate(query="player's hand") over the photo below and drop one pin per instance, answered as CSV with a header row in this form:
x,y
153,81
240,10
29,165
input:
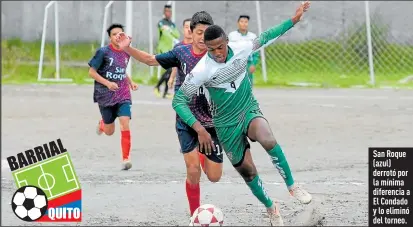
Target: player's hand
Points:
x,y
300,11
252,69
165,27
123,40
206,144
112,86
134,86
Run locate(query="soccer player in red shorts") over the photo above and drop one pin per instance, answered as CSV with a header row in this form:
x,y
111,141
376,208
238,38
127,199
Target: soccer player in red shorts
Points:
x,y
112,90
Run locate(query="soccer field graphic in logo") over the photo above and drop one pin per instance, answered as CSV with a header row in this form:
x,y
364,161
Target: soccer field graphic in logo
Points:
x,y
50,169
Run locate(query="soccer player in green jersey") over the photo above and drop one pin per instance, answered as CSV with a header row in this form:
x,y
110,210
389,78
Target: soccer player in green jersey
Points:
x,y
236,112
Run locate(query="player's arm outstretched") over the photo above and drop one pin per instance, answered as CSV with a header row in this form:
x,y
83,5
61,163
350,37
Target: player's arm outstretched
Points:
x,y
189,89
273,33
166,60
124,42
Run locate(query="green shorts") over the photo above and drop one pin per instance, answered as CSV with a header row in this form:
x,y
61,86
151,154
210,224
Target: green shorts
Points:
x,y
234,139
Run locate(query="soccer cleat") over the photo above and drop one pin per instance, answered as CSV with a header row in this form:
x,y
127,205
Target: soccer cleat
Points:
x,y
99,128
275,216
157,93
126,164
169,96
301,195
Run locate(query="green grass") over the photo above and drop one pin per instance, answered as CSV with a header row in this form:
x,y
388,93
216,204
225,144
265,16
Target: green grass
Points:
x,y
317,62
18,58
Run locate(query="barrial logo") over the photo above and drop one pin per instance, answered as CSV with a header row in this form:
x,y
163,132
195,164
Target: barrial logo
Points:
x,y
48,188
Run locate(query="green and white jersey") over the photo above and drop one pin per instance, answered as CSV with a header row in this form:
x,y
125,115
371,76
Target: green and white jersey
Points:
x,y
237,36
228,85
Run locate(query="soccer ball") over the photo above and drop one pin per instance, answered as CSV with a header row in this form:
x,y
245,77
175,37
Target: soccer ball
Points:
x,y
29,203
207,215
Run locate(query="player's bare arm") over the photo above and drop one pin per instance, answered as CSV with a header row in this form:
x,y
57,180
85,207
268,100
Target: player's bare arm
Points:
x,y
95,75
124,42
273,33
133,86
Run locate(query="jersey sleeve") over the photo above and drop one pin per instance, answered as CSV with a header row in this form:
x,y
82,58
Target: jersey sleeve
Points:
x,y
168,59
270,35
97,59
195,79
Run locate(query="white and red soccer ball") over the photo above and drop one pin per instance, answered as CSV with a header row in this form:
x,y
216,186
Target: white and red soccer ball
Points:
x,y
207,215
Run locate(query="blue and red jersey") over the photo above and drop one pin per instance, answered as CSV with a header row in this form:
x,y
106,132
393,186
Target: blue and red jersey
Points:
x,y
111,64
183,57
180,75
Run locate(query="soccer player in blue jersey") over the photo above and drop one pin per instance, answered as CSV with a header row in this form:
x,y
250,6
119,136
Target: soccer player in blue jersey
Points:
x,y
187,40
185,57
112,90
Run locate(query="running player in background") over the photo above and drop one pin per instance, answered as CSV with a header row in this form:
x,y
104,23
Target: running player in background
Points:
x,y
112,91
168,37
236,113
185,57
242,34
187,40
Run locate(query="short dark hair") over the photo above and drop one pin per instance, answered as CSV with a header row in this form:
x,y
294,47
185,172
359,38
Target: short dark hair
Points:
x,y
214,32
167,7
187,19
201,17
244,16
114,26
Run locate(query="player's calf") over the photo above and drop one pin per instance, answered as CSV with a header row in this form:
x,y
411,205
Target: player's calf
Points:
x,y
260,131
193,175
246,168
108,129
125,141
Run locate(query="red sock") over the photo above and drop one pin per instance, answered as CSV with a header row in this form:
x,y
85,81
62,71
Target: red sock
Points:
x,y
202,160
125,142
193,194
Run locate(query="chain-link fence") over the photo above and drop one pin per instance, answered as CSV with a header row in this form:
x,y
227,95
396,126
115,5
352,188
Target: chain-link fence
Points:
x,y
329,46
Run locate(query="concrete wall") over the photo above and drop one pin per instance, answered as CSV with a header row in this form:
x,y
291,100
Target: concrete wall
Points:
x,y
82,20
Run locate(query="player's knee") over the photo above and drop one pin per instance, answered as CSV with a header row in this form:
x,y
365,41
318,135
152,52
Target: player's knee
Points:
x,y
193,173
125,127
214,177
268,142
124,123
248,174
109,131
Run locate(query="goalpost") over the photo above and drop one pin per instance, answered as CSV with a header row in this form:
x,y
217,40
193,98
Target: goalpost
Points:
x,y
173,4
128,26
152,26
57,53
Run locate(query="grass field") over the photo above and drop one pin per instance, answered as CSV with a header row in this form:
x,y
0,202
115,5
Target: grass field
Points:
x,y
315,63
